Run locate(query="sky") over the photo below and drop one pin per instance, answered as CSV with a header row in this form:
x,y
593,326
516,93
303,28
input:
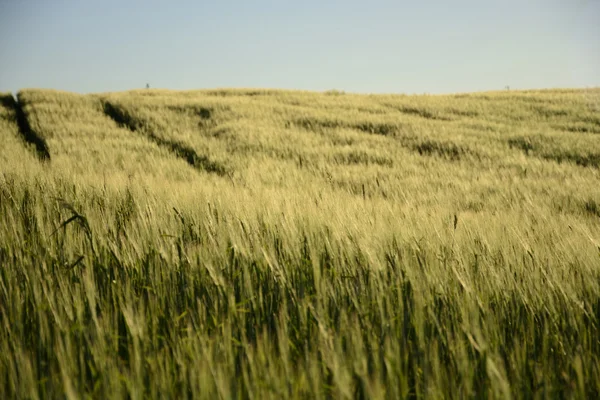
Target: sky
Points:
x,y
374,46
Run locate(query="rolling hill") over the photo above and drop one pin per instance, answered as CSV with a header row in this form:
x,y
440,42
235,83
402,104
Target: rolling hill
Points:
x,y
286,244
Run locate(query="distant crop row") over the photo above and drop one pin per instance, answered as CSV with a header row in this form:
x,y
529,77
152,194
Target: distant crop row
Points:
x,y
568,137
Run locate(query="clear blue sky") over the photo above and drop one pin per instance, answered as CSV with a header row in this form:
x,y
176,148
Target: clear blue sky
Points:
x,y
434,46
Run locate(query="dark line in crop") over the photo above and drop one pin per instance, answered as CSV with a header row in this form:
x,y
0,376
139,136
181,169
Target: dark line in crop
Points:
x,y
578,129
530,149
587,160
522,144
188,154
592,207
376,128
120,117
464,113
181,150
204,113
419,112
550,112
444,150
449,151
27,133
312,124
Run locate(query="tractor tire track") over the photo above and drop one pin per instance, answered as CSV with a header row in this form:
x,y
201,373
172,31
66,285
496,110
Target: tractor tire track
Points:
x,y
181,150
29,135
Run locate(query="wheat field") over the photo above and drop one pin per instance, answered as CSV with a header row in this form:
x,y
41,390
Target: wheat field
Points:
x,y
286,244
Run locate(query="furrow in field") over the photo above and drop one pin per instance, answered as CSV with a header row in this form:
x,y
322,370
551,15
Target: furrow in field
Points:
x,y
29,135
179,148
85,142
15,151
581,150
403,133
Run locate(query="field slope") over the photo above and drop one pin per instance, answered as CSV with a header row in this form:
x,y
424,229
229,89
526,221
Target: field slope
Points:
x,y
287,244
